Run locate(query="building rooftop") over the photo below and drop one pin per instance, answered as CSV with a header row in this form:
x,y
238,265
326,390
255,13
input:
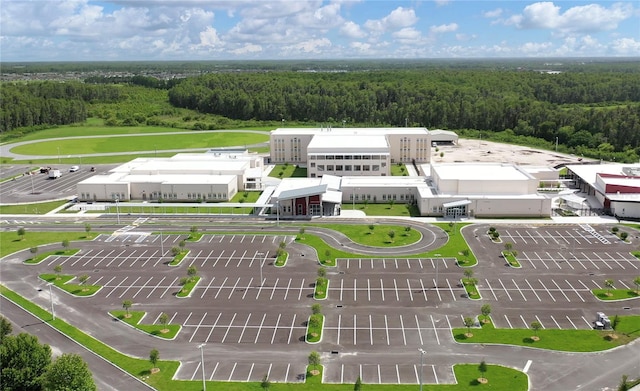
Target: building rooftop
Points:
x,y
349,131
330,142
588,172
383,181
479,172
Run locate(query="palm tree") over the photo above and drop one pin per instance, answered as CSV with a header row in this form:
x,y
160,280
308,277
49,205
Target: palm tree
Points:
x,y
154,356
468,322
126,304
483,369
535,326
608,283
486,311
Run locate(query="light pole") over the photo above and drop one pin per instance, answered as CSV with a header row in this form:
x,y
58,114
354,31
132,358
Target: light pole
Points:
x,y
422,353
117,210
277,213
161,245
201,347
260,260
53,313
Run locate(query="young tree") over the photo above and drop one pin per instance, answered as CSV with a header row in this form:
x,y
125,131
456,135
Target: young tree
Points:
x,y
182,244
194,229
87,229
57,269
468,273
358,385
83,279
23,362
624,386
65,244
535,326
154,356
163,319
126,304
322,272
21,232
314,358
468,322
301,232
282,245
391,203
608,283
316,308
175,251
483,369
391,234
636,281
486,311
69,372
266,383
371,228
5,328
192,272
34,250
407,229
615,322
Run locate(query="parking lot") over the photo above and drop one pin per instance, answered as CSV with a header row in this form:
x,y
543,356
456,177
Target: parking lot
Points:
x,y
379,308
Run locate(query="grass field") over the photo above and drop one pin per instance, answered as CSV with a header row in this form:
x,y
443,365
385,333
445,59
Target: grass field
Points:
x,y
288,171
135,317
139,143
11,243
29,209
379,235
384,209
615,294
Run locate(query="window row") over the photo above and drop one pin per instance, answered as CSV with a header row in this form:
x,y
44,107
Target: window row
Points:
x,y
348,167
347,157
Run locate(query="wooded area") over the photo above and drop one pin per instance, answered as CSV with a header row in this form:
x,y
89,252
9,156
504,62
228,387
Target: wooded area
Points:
x,y
593,113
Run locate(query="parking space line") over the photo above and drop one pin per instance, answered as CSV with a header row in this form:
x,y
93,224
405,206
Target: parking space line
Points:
x,y
354,329
419,330
544,263
126,258
220,288
415,369
116,287
381,290
545,288
354,290
197,327
233,369
339,323
629,261
286,376
204,291
410,293
505,289
596,284
621,282
156,287
229,259
97,282
293,322
371,260
170,286
433,368
396,288
553,259
384,263
491,289
435,331
451,290
275,285
275,329
587,322
614,260
574,290
141,288
396,262
252,364
193,376
370,331
214,370
398,373
213,327
206,259
539,321
91,258
556,322
218,259
241,258
603,261
585,287
518,287
286,292
509,323
195,258
302,287
449,323
233,289
542,237
149,258
566,261
246,323
269,370
368,290
228,327
424,291
590,260
523,321
521,237
359,263
404,336
560,289
532,290
437,289
526,256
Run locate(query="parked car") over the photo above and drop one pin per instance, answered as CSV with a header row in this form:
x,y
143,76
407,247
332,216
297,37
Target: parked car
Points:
x,y
74,168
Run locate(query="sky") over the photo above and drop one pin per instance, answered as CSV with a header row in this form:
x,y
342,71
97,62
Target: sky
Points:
x,y
180,30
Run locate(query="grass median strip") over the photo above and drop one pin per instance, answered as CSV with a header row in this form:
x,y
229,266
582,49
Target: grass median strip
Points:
x,y
320,288
61,281
41,257
615,294
314,328
187,286
133,318
627,330
377,235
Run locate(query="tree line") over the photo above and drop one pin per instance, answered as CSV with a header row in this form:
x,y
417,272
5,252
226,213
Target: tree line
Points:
x,y
579,108
33,104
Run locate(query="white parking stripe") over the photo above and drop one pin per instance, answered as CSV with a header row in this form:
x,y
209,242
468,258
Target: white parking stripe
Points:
x,y
491,289
368,289
451,290
410,293
539,321
220,287
396,288
354,329
214,370
302,287
533,290
370,331
228,327
556,322
545,288
587,322
574,290
235,364
286,292
560,289
435,330
509,323
156,287
213,327
204,291
518,287
197,327
404,336
572,324
424,291
293,322
252,364
246,323
275,329
233,289
523,321
566,261
339,322
505,289
419,330
435,375
381,290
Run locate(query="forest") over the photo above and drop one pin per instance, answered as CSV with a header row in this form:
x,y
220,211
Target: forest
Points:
x,y
593,111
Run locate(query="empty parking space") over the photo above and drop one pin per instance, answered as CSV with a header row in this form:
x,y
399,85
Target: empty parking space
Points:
x,y
245,371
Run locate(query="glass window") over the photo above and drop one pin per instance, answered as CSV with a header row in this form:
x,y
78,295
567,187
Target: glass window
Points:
x,y
356,167
320,167
313,165
366,168
339,167
329,167
376,167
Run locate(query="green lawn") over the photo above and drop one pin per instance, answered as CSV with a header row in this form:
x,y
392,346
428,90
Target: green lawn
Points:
x,y
41,257
141,142
167,208
471,289
320,288
29,209
378,236
615,294
188,287
178,258
288,171
61,281
384,209
135,317
314,333
12,243
513,261
399,170
627,330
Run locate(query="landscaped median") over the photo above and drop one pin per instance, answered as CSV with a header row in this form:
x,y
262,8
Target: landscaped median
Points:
x,y
178,256
42,256
627,329
511,259
471,288
615,294
188,283
314,328
133,318
320,288
61,281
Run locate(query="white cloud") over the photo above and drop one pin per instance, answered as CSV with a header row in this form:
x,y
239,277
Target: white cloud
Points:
x,y
585,18
441,3
209,38
626,46
352,30
496,13
536,48
398,18
444,28
248,48
309,46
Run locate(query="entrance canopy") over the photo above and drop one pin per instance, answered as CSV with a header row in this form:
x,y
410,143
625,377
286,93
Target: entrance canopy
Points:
x,y
454,204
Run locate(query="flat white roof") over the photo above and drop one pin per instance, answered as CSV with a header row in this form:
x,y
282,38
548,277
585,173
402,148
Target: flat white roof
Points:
x,y
480,171
181,179
329,142
588,172
295,183
347,131
103,179
383,181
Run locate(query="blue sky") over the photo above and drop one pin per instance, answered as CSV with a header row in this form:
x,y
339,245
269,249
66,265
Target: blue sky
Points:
x,y
122,30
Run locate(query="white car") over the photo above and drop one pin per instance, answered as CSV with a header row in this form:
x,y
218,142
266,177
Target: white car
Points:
x,y
74,168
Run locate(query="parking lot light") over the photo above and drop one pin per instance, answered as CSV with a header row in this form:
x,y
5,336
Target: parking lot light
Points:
x,y
53,313
117,210
201,347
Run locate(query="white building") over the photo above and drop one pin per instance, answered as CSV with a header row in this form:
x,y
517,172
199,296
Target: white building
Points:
x,y
406,145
